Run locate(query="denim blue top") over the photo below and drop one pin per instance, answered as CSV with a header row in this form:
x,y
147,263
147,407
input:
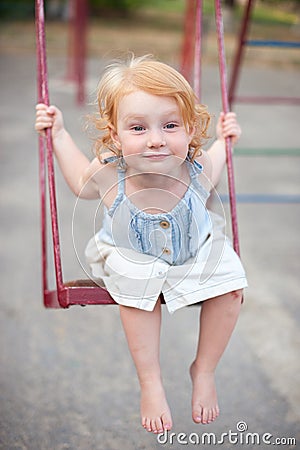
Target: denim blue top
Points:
x,y
173,236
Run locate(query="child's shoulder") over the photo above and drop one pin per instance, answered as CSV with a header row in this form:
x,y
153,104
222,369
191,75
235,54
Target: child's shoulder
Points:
x,y
107,157
204,160
104,170
205,176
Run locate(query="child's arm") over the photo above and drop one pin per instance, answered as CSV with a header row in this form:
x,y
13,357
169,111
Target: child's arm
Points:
x,y
75,166
227,125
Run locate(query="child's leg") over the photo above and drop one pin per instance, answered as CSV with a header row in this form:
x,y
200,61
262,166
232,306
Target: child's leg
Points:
x,y
142,329
217,321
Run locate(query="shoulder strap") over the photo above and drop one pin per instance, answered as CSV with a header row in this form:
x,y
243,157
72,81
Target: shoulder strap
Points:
x,y
195,168
121,169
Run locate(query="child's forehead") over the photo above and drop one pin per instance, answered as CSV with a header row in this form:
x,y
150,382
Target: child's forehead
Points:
x,y
138,102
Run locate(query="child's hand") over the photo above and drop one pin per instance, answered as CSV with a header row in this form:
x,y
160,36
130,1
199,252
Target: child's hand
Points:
x,y
49,117
228,126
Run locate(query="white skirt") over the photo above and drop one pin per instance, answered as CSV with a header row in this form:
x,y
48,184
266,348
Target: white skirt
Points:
x,y
136,279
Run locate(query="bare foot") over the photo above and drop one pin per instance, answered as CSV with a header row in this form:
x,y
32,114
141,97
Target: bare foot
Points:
x,y
155,412
205,407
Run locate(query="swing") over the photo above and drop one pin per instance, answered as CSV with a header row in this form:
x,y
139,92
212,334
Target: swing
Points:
x,y
87,292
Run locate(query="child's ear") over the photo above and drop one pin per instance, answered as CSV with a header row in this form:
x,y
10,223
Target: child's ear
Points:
x,y
115,137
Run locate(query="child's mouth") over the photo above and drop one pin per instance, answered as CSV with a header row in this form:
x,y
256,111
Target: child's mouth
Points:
x,y
156,156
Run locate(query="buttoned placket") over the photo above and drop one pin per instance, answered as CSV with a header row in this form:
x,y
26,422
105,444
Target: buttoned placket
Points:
x,y
167,251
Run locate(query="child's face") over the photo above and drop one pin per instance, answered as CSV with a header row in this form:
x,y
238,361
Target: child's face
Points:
x,y
150,132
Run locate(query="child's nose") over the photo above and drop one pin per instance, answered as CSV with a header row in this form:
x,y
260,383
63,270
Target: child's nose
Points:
x,y
156,139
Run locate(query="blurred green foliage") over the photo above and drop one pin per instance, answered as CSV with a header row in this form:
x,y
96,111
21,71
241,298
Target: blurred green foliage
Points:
x,y
115,7
17,9
22,9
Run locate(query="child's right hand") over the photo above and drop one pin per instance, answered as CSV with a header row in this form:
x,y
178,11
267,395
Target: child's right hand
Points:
x,y
49,117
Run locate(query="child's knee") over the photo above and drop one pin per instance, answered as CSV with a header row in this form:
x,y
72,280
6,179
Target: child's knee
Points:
x,y
235,301
237,295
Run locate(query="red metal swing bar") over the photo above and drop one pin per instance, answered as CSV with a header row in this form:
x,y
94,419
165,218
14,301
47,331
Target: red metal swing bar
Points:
x,y
87,292
225,104
82,292
197,50
77,46
186,57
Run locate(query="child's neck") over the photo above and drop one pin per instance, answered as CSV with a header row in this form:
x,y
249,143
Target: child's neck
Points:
x,y
157,180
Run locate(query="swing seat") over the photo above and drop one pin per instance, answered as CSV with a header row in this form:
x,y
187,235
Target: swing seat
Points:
x,y
77,292
80,293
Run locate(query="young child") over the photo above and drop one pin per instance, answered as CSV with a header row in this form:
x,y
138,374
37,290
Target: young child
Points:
x,y
157,235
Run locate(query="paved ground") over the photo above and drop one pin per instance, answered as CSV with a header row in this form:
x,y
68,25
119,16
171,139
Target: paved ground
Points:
x,y
66,378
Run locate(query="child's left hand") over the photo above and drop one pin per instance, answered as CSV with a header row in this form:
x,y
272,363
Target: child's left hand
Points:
x,y
228,126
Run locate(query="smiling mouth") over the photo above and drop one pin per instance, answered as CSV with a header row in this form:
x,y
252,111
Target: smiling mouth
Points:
x,y
156,155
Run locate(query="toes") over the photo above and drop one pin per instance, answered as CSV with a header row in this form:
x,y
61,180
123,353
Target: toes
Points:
x,y
159,426
144,422
210,416
166,423
147,424
214,414
197,416
205,416
153,426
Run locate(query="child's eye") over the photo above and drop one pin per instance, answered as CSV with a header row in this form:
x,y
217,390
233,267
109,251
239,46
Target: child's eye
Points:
x,y
138,128
170,126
